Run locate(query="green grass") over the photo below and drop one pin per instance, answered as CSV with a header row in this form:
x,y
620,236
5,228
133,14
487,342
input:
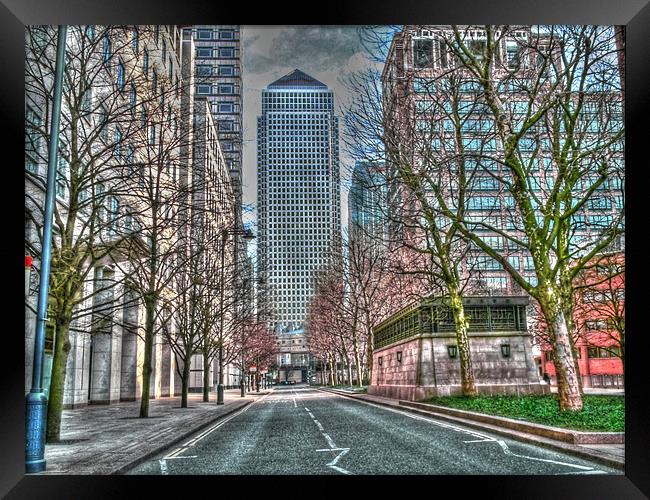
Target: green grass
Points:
x,y
599,413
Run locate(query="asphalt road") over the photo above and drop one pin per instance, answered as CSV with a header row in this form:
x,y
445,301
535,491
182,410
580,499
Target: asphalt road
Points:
x,y
299,430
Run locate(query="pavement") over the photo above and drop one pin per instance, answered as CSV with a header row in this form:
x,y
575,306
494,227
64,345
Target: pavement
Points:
x,y
109,439
612,455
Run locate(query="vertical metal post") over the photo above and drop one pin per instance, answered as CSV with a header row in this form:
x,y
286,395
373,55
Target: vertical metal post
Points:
x,y
224,234
36,400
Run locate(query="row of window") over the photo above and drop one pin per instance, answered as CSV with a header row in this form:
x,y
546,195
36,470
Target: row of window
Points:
x,y
216,52
219,34
219,89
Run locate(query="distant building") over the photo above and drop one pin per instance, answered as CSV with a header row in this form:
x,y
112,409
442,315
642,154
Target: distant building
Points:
x,y
599,319
367,202
298,196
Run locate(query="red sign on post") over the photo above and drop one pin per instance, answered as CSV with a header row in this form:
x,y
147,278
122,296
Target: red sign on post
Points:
x,y
252,369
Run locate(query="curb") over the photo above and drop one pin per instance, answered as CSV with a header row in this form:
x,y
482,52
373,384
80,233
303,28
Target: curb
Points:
x,y
570,436
175,440
572,449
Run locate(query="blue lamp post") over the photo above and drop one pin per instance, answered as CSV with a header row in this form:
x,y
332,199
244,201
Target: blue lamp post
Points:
x,y
36,400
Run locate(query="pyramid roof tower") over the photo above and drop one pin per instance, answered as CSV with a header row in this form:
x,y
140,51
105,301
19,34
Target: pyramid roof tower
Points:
x,y
296,78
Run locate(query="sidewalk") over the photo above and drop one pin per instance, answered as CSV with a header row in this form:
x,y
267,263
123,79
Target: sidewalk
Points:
x,y
608,454
109,439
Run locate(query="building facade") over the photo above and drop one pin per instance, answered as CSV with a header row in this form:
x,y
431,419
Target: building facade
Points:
x,y
123,67
298,196
415,354
424,87
599,319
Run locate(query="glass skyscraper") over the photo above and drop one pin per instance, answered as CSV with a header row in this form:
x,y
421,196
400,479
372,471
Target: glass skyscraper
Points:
x,y
298,193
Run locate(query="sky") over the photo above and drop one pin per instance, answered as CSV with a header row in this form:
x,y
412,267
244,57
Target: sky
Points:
x,y
327,53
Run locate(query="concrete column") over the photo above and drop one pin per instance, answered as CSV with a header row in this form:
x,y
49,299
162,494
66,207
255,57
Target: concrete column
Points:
x,y
128,365
166,367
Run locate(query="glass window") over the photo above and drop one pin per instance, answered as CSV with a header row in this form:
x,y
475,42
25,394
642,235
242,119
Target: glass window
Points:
x,y
226,34
423,53
226,88
226,52
106,48
145,62
204,70
203,52
205,34
226,70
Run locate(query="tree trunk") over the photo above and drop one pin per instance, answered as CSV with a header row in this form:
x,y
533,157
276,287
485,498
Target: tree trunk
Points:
x,y
468,385
185,382
206,377
57,381
150,306
570,398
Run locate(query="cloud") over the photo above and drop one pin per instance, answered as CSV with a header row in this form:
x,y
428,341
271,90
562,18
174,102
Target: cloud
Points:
x,y
310,48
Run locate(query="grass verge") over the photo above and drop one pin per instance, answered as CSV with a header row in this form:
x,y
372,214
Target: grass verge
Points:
x,y
599,413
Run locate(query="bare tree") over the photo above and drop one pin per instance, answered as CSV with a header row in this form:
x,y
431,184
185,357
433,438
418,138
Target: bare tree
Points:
x,y
95,123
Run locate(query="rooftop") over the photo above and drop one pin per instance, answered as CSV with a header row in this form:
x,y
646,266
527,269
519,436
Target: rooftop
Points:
x,y
296,79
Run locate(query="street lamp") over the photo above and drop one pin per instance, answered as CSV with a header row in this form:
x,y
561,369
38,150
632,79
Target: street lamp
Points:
x,y
248,235
36,400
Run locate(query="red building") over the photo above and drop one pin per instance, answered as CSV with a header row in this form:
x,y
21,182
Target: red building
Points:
x,y
599,318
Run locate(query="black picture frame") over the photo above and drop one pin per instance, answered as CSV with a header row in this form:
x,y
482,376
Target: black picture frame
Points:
x,y
635,14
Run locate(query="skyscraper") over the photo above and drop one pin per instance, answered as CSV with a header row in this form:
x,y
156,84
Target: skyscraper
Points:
x,y
367,201
218,78
298,193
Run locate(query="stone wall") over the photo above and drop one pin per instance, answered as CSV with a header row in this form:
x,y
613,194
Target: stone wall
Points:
x,y
426,369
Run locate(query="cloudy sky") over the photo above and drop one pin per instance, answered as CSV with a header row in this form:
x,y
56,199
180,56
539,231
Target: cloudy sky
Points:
x,y
328,53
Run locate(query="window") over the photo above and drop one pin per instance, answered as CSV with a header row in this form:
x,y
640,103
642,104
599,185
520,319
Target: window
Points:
x,y
226,88
90,32
226,126
423,53
205,34
145,62
164,50
204,70
514,54
135,40
152,135
133,97
203,52
106,49
204,89
226,34
226,52
226,70
32,139
120,76
61,174
225,107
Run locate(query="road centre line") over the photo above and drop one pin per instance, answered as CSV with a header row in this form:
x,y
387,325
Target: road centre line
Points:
x,y
504,447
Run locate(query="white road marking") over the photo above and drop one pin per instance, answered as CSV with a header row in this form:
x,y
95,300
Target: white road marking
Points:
x,y
480,441
504,447
332,446
192,442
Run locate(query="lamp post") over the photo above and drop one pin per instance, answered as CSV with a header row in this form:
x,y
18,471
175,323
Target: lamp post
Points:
x,y
36,400
248,235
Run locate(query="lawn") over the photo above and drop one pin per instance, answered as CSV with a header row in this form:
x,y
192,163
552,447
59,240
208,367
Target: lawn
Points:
x,y
599,413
